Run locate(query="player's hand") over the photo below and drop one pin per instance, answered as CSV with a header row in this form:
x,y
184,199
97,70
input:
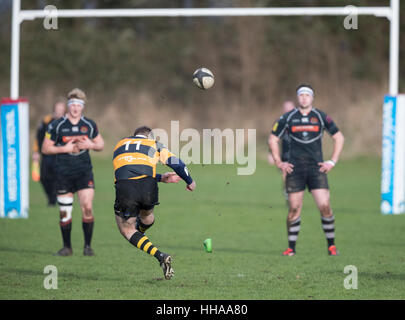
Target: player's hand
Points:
x,y
326,166
191,186
84,143
285,167
71,147
170,177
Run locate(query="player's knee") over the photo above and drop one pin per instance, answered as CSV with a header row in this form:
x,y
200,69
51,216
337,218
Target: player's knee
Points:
x,y
294,210
146,213
65,209
127,233
87,210
148,220
325,210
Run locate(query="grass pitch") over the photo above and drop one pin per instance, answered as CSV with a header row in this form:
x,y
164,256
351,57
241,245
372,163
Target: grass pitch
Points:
x,y
245,218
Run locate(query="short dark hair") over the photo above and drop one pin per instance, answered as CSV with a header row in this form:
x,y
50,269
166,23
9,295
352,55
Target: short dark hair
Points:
x,y
144,130
305,85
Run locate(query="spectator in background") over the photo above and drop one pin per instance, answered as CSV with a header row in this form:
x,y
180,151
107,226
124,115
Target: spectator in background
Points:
x,y
47,172
287,107
285,145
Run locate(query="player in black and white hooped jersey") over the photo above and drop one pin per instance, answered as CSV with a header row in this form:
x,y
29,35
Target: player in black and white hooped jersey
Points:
x,y
305,166
70,138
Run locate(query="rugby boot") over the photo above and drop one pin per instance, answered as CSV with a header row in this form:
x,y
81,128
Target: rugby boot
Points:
x,y
332,251
289,252
88,251
166,265
64,252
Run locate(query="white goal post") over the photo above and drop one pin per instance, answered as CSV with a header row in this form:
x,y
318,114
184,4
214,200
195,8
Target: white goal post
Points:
x,y
390,12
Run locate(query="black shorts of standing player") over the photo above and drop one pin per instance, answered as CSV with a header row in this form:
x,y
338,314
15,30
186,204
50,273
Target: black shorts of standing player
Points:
x,y
74,182
304,175
134,195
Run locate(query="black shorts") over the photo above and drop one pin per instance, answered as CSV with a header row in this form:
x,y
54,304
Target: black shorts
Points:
x,y
134,195
304,175
74,182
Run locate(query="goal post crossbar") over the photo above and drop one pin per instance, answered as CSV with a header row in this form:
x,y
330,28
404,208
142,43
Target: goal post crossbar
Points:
x,y
390,12
208,12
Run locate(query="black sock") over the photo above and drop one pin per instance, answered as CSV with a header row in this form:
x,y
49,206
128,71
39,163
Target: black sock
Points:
x,y
140,226
66,229
142,242
88,232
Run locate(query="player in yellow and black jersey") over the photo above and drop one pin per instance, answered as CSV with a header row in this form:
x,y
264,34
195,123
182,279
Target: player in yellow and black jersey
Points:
x,y
134,160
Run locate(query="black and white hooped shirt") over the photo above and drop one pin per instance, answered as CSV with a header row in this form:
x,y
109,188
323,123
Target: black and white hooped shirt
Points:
x,y
305,133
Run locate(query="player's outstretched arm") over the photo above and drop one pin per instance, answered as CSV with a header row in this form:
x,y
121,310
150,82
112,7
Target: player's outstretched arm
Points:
x,y
178,166
181,170
172,177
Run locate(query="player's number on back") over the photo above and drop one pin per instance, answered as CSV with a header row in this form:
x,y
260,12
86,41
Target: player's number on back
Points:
x,y
138,144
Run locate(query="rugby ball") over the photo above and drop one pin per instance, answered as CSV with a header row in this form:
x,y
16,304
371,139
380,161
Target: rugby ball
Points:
x,y
203,78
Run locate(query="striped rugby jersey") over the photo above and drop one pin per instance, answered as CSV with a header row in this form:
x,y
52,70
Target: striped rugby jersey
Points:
x,y
305,133
61,131
136,157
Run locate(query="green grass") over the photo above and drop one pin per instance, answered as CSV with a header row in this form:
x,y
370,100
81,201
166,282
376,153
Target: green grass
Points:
x,y
245,218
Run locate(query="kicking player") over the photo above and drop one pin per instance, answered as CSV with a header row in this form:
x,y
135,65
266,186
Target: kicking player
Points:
x,y
70,138
305,166
134,162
